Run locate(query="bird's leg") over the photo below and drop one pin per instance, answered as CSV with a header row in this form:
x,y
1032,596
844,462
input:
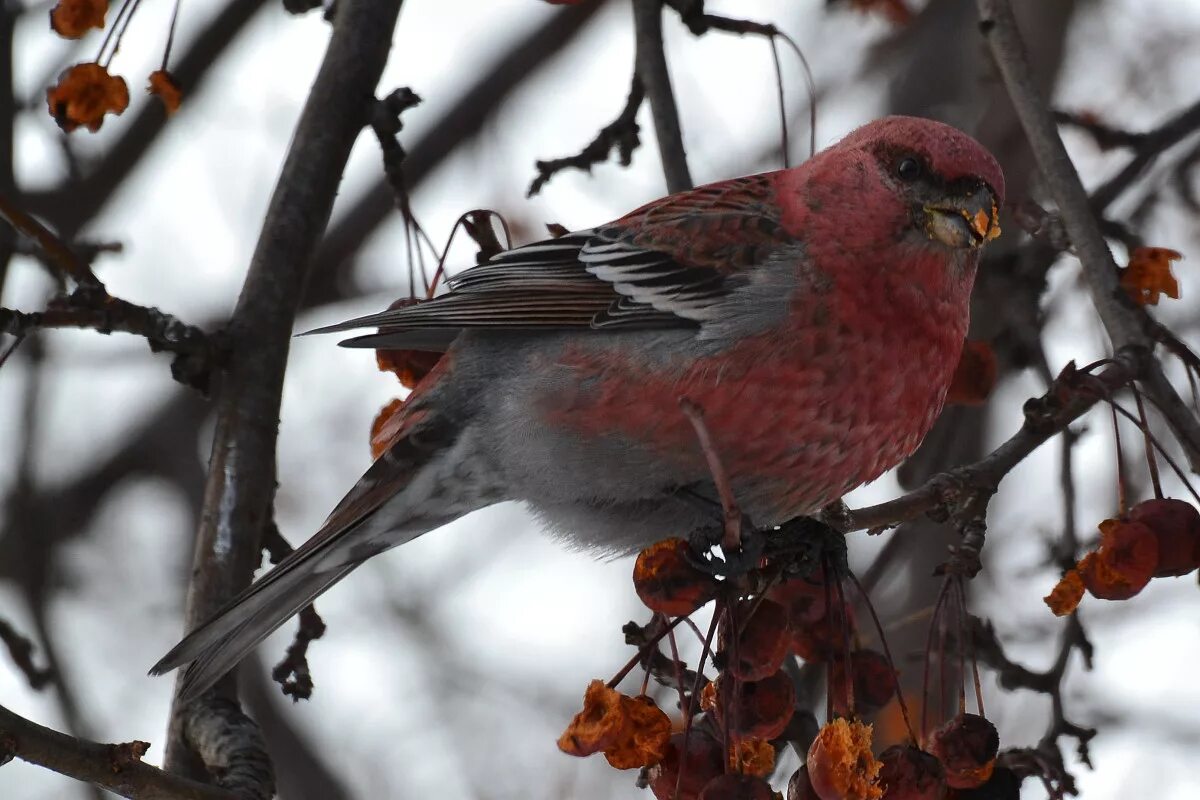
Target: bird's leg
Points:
x,y
731,542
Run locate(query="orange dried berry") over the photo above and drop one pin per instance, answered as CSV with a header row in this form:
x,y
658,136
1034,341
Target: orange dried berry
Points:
x,y
667,582
385,427
164,86
630,731
896,11
646,735
71,19
762,642
705,761
752,757
840,763
84,94
974,377
738,787
757,709
599,725
708,697
909,773
1148,275
1125,562
874,682
1003,785
1176,526
800,787
409,366
1065,596
967,747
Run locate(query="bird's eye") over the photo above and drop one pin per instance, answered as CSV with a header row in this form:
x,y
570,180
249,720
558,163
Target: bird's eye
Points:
x,y
909,169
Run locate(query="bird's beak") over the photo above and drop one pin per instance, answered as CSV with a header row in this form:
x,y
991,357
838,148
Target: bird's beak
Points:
x,y
968,221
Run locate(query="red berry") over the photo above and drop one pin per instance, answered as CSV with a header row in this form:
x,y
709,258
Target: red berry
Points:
x,y
874,682
705,760
967,747
757,709
1176,524
762,642
737,787
667,582
910,773
800,787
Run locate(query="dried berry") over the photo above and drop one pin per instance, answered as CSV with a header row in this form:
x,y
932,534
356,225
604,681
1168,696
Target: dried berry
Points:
x,y
1065,596
760,709
800,787
752,757
1124,563
705,761
762,641
840,763
630,731
737,787
909,773
1176,526
71,19
1148,275
967,747
803,599
874,682
667,582
1003,785
164,86
84,94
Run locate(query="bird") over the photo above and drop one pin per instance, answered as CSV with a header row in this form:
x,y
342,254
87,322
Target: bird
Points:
x,y
814,315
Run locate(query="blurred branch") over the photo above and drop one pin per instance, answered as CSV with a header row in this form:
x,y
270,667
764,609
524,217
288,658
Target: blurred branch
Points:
x,y
656,78
20,650
115,767
196,354
1125,324
464,120
241,478
1148,147
621,133
58,255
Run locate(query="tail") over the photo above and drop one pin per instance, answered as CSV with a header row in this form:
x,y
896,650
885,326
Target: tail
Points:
x,y
391,504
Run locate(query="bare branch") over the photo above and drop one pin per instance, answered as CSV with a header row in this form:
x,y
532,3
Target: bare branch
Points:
x,y
241,479
652,69
115,767
621,133
196,354
21,651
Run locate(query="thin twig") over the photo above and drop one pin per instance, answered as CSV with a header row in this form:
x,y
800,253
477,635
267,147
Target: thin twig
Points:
x,y
621,133
20,649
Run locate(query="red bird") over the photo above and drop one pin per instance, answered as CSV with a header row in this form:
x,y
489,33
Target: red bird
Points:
x,y
814,314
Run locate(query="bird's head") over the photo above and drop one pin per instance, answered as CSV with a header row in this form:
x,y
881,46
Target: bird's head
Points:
x,y
904,181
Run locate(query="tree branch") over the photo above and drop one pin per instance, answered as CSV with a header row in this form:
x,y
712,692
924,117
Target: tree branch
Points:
x,y
115,767
20,650
241,480
652,69
1127,326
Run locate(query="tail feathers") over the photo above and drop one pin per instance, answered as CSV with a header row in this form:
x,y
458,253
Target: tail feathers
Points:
x,y
219,644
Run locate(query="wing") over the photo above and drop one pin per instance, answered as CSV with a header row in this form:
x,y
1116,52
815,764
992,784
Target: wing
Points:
x,y
672,263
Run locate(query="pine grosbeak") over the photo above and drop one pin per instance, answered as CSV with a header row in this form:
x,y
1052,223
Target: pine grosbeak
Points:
x,y
814,314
